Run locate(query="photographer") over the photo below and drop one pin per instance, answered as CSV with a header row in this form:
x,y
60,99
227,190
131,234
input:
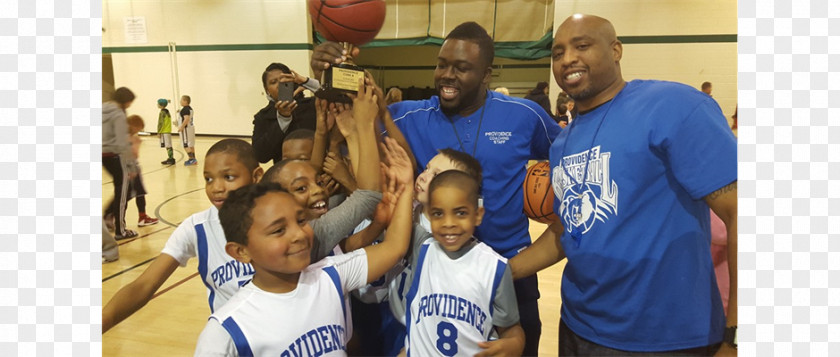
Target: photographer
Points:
x,y
286,111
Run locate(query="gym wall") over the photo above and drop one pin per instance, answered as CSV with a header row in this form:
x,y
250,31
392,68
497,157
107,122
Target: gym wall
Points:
x,y
223,46
222,49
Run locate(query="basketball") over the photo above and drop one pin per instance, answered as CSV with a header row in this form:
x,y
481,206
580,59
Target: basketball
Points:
x,y
353,21
538,194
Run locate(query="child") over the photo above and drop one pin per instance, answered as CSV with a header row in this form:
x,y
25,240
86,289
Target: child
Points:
x,y
138,191
229,164
164,129
187,129
301,180
457,280
264,317
298,144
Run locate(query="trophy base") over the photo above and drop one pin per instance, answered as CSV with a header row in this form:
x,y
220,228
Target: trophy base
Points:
x,y
338,81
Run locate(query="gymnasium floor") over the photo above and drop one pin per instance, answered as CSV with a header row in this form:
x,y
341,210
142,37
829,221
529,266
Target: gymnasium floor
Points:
x,y
170,323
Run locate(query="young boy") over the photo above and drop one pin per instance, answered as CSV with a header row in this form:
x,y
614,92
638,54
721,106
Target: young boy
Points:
x,y
164,129
229,164
187,129
298,144
460,289
136,188
264,317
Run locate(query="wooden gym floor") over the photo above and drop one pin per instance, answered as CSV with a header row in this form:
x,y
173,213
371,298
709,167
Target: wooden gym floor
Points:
x,y
170,323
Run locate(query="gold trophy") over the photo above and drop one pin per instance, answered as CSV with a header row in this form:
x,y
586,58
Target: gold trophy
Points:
x,y
351,23
340,79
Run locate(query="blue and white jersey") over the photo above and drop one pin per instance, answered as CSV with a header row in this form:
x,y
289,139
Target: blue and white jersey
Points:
x,y
201,235
307,321
451,301
639,275
502,135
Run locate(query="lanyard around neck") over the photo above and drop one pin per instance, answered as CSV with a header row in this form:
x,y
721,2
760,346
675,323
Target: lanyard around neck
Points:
x,y
478,131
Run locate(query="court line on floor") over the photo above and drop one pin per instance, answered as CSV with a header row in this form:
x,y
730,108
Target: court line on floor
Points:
x,y
157,209
178,160
125,241
157,213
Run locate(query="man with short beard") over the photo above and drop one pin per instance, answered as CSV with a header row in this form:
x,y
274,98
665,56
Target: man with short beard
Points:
x,y
502,132
635,174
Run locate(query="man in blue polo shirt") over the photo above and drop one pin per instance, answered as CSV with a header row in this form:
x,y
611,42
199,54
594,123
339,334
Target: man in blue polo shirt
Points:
x,y
502,132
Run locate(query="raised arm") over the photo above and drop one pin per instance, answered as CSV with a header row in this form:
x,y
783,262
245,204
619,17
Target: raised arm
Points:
x,y
323,124
387,121
364,114
383,256
545,252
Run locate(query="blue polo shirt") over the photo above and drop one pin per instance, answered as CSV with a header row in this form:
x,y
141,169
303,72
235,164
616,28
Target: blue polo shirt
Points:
x,y
640,276
503,135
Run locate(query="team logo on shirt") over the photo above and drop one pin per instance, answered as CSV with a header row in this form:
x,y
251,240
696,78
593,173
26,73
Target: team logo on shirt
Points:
x,y
584,203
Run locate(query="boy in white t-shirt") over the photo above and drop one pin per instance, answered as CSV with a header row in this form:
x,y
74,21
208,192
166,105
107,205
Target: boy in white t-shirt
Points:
x,y
293,307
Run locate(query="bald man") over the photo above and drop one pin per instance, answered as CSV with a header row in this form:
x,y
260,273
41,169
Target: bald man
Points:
x,y
634,176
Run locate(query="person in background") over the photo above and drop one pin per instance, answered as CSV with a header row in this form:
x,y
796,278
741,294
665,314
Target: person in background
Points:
x,y
117,157
540,96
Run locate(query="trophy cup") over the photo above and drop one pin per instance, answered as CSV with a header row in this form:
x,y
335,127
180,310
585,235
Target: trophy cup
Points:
x,y
351,23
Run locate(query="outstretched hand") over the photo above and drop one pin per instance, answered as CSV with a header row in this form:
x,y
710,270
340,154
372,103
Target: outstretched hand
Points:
x,y
344,119
399,163
365,107
324,118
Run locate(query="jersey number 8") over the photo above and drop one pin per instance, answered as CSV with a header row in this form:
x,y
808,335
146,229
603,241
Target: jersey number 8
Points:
x,y
447,338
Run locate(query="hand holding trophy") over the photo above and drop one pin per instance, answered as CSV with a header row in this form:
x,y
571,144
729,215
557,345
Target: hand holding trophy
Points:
x,y
351,23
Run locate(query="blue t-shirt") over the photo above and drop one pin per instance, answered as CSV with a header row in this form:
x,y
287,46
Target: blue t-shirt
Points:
x,y
503,135
640,278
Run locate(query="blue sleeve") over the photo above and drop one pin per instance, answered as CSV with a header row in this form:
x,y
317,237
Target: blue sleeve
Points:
x,y
545,130
700,149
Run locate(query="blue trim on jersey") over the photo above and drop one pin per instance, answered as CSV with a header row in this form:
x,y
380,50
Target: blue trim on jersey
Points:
x,y
497,279
242,345
412,293
202,263
330,270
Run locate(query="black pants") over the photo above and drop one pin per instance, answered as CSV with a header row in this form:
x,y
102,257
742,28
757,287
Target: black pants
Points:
x,y
570,344
527,293
116,167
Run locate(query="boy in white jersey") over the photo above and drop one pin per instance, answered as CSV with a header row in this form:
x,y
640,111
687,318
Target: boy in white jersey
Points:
x,y
228,165
292,308
460,289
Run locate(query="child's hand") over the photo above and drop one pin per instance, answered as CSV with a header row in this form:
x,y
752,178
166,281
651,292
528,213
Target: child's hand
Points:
x,y
380,95
329,184
365,107
344,119
398,162
335,167
500,347
324,118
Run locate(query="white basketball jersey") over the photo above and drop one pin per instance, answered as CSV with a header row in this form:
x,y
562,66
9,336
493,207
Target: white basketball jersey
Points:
x,y
201,235
308,321
451,300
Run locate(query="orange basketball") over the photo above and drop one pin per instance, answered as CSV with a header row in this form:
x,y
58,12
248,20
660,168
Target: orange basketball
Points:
x,y
353,21
538,194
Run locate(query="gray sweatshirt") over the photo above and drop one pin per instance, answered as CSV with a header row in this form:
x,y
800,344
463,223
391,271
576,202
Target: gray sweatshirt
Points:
x,y
115,135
